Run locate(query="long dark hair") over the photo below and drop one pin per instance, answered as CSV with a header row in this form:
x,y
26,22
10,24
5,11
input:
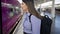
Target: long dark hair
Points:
x,y
30,4
31,8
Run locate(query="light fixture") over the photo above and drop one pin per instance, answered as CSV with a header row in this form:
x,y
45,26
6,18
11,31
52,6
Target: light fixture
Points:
x,y
20,1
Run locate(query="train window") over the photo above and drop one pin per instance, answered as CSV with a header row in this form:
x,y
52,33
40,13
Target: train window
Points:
x,y
11,9
11,14
16,10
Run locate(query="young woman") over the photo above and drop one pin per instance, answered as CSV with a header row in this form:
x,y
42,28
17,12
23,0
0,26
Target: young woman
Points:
x,y
32,27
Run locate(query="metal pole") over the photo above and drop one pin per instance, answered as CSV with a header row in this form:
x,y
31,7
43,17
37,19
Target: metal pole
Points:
x,y
40,7
53,17
41,12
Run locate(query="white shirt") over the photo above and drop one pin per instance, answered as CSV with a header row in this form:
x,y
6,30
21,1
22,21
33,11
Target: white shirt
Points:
x,y
36,23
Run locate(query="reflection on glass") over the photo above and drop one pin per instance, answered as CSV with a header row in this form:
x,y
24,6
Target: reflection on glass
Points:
x,y
11,14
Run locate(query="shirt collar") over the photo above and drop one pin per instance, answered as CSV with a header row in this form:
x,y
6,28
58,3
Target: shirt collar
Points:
x,y
28,13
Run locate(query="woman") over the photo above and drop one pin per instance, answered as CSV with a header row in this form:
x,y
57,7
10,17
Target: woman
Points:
x,y
32,27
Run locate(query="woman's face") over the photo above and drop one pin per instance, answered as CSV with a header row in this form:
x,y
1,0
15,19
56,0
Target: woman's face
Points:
x,y
24,7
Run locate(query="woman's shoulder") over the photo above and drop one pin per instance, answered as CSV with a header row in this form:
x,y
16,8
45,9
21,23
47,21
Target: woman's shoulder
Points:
x,y
34,17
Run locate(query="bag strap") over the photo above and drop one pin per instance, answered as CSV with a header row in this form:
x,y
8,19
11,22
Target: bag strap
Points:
x,y
30,18
30,21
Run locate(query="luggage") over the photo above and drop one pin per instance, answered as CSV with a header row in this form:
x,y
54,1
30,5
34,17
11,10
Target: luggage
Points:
x,y
45,25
